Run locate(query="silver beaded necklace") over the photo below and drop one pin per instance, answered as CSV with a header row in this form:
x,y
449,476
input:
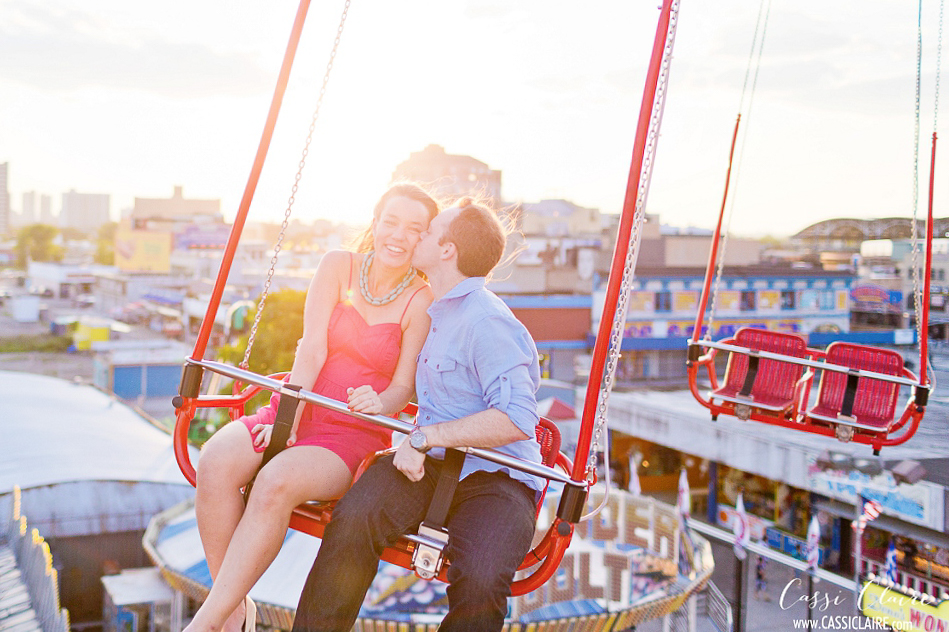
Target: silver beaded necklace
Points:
x,y
391,296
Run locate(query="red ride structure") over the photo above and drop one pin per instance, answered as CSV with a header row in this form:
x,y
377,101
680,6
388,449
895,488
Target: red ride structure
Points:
x,y
769,375
576,476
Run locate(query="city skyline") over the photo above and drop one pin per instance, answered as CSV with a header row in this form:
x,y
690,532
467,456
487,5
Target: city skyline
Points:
x,y
110,98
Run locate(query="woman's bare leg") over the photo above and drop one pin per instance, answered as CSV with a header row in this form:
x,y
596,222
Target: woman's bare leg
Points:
x,y
294,476
227,463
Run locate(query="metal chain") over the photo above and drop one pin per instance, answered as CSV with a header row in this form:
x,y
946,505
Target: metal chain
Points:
x,y
938,67
720,268
917,292
293,191
632,254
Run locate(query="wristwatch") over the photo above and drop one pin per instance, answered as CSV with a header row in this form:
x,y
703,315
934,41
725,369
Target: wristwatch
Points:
x,y
419,441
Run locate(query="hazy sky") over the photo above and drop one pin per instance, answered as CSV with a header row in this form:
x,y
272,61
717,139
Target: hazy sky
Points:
x,y
132,98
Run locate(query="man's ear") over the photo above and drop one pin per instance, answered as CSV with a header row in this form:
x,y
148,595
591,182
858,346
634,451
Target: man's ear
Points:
x,y
449,250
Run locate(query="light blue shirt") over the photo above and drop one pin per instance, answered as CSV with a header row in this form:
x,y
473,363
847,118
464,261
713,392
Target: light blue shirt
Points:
x,y
479,356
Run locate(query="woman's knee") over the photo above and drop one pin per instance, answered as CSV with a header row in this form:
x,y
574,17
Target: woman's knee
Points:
x,y
226,458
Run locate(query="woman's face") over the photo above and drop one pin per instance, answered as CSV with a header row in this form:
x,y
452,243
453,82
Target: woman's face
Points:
x,y
397,230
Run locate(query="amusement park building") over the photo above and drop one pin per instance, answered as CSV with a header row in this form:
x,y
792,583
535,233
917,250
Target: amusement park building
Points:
x,y
450,175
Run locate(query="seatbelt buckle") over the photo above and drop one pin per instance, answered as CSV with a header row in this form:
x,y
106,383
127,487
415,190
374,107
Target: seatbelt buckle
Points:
x,y
429,554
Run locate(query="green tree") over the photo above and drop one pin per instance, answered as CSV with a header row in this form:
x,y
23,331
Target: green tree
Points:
x,y
35,243
105,244
281,326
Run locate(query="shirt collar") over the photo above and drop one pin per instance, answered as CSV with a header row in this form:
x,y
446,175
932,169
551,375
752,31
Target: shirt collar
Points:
x,y
465,287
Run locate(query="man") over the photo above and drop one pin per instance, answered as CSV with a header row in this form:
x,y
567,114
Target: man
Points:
x,y
476,382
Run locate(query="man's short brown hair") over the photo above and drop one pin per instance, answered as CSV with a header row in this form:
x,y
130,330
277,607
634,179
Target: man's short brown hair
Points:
x,y
479,237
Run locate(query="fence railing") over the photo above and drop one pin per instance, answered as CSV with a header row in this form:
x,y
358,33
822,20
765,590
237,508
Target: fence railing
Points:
x,y
717,608
35,564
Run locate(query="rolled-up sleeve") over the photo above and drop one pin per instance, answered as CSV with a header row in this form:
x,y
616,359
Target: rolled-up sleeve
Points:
x,y
504,358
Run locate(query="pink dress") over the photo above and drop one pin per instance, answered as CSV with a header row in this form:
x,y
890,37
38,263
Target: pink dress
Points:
x,y
357,354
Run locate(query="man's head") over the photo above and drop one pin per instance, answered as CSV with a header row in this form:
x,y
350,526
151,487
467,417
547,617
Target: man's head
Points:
x,y
468,236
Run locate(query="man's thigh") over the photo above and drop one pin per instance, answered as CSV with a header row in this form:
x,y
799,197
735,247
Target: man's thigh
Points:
x,y
383,492
491,523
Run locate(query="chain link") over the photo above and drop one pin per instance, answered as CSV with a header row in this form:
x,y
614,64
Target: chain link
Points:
x,y
632,254
917,292
293,191
761,24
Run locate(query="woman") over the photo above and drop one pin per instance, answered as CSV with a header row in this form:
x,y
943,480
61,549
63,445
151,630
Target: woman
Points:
x,y
365,321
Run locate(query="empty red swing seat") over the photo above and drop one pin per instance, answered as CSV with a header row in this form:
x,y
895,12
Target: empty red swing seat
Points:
x,y
871,404
764,383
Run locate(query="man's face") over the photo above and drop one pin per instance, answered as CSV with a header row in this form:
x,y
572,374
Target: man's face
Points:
x,y
428,251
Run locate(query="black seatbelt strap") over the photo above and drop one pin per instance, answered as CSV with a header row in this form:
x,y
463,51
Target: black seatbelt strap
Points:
x,y
432,535
445,489
850,394
282,425
750,376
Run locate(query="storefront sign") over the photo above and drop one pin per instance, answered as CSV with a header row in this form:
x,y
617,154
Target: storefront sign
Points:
x,y
792,545
903,612
758,526
920,503
628,551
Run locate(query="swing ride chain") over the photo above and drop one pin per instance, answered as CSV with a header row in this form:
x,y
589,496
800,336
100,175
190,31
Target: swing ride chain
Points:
x,y
917,290
293,191
760,25
917,298
632,254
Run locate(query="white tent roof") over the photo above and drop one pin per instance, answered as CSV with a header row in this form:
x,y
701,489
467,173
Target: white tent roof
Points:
x,y
85,462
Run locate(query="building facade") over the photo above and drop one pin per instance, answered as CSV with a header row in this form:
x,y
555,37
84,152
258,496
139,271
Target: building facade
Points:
x,y
85,211
450,176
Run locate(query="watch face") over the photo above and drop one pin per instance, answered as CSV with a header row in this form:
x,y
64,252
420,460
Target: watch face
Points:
x,y
417,439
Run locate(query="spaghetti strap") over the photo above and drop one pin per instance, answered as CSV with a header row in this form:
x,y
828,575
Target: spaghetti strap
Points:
x,y
409,302
349,288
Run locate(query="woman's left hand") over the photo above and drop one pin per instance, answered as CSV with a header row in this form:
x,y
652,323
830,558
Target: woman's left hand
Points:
x,y
364,400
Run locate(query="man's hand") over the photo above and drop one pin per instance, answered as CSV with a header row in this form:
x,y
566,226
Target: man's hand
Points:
x,y
409,461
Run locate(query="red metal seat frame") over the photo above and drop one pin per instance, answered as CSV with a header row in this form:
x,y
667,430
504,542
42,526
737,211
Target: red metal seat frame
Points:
x,y
312,518
776,386
875,401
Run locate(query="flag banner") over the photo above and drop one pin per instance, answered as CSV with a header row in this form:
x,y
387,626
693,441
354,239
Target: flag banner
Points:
x,y
871,511
741,529
889,567
813,544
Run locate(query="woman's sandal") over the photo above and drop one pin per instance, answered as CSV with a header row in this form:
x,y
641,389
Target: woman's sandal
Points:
x,y
250,615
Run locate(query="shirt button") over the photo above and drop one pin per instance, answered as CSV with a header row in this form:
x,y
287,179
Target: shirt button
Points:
x,y
425,393
426,360
434,328
428,416
504,379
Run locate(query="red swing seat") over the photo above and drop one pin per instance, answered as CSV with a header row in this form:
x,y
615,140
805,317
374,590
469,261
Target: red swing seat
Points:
x,y
773,386
313,517
872,407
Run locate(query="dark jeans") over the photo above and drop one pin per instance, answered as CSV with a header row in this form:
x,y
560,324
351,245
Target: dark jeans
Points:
x,y
490,526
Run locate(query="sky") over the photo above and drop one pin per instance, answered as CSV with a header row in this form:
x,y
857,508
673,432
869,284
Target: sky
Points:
x,y
133,99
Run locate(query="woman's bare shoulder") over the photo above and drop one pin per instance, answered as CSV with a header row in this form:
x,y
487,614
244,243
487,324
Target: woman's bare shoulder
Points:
x,y
337,262
422,297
